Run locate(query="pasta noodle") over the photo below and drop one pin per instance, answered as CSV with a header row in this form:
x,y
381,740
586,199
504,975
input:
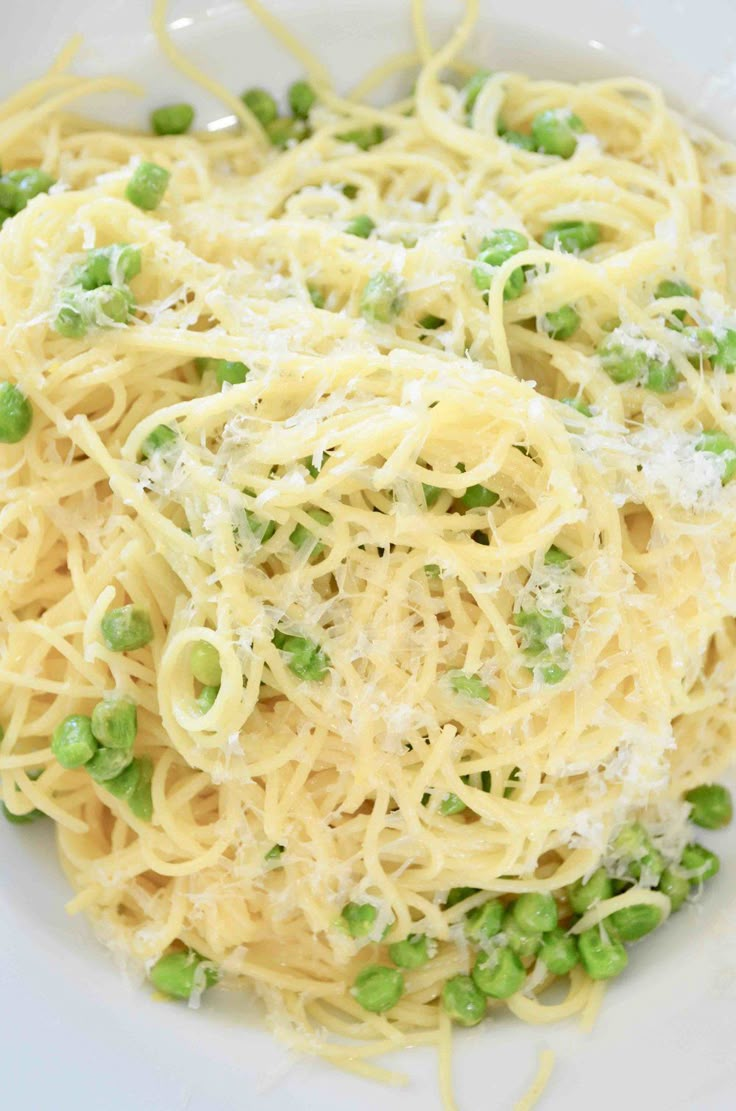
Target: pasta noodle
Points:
x,y
386,492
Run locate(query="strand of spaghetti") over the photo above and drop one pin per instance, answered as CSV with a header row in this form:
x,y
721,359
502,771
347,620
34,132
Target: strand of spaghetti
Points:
x,y
540,1082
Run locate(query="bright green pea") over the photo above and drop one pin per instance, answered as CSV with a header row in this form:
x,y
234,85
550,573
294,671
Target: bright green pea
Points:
x,y
463,1001
700,863
571,236
479,497
583,894
451,804
556,557
204,661
147,186
177,974
363,137
555,131
123,785
553,673
274,854
559,952
458,894
562,323
631,923
519,139
602,958
661,378
21,819
161,439
18,187
230,371
498,973
316,296
172,119
501,245
73,743
578,405
16,414
470,685
261,104
484,921
535,912
283,131
362,226
126,628
115,722
383,298
669,288
710,806
108,763
620,364
537,629
472,89
302,98
114,265
307,660
633,845
675,886
301,534
432,570
140,800
723,353
411,953
109,305
358,919
207,698
70,322
718,443
378,988
521,941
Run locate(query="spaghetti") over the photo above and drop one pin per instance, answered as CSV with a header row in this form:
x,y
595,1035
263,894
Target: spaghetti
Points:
x,y
466,587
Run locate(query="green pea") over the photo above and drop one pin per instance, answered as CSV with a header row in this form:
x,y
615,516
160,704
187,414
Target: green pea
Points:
x,y
553,673
261,104
432,570
537,629
115,722
274,854
555,132
140,800
307,660
362,226
176,974
700,863
207,698
498,973
501,245
101,307
479,497
620,364
451,804
484,921
172,119
283,131
108,762
470,685
358,919
18,187
723,350
669,288
521,941
123,785
559,952
16,414
718,443
411,953
350,191
710,806
70,322
21,819
316,296
535,912
383,298
73,743
363,137
556,557
302,98
5,214
472,89
463,1001
161,439
301,534
231,371
430,322
661,378
519,139
631,923
114,265
603,958
204,660
147,186
578,405
458,895
562,323
675,886
431,493
583,894
635,847
126,628
378,988
571,236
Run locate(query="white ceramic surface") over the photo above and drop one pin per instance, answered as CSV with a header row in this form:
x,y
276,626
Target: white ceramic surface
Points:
x,y
74,1033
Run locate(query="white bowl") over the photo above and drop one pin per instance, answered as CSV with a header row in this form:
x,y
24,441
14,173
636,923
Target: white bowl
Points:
x,y
74,1033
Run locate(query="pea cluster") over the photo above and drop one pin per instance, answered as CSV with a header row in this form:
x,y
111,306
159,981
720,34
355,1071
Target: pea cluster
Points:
x,y
98,293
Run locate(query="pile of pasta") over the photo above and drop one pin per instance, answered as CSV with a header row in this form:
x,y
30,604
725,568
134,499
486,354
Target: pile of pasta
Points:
x,y
368,435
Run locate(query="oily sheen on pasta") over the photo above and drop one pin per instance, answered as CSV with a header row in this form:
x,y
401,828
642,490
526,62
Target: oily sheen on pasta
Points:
x,y
398,490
